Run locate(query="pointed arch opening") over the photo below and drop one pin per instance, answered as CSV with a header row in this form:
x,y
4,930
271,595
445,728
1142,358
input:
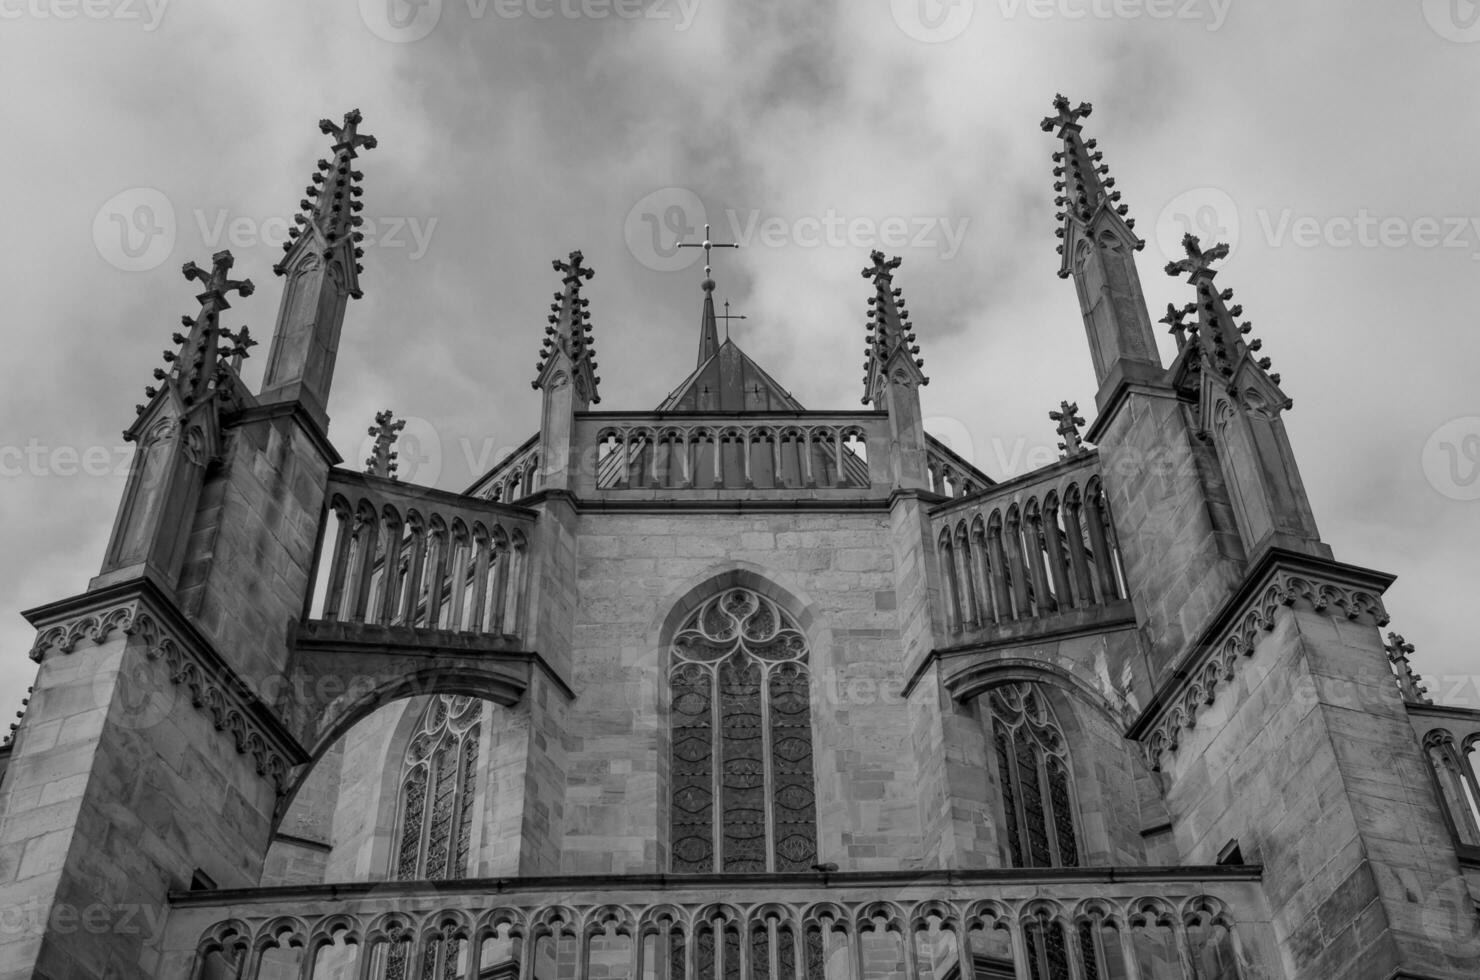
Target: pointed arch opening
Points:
x,y
743,795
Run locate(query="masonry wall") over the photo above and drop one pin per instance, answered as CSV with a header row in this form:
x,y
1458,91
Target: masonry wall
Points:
x,y
1173,521
251,549
119,791
1305,760
631,569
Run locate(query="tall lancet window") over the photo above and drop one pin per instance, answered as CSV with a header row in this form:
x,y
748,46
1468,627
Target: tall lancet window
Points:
x,y
1033,766
743,797
437,788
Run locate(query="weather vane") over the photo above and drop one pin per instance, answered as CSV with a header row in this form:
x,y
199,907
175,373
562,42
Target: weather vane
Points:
x,y
727,316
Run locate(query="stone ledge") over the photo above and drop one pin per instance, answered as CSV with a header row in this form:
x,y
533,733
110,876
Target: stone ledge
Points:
x,y
727,882
1112,616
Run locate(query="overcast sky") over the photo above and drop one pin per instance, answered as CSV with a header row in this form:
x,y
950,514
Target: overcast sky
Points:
x,y
1333,144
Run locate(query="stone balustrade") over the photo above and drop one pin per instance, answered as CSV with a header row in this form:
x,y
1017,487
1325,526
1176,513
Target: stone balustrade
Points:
x,y
723,455
394,554
1141,924
1030,550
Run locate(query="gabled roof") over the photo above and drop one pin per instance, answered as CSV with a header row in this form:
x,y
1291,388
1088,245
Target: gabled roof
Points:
x,y
729,381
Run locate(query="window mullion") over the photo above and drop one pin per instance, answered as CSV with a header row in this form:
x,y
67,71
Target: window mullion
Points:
x,y
716,768
768,776
1045,793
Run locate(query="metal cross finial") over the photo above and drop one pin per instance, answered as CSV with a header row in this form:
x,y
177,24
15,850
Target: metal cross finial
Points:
x,y
880,266
706,245
1069,422
216,283
1198,264
347,137
727,316
382,458
1067,118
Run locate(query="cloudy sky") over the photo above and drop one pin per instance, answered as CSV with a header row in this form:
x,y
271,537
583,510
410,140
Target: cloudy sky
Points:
x,y
1333,144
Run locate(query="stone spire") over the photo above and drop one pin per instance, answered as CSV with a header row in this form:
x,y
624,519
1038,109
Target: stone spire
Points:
x,y
1083,182
708,328
322,271
382,459
891,350
178,435
1239,404
567,351
1098,245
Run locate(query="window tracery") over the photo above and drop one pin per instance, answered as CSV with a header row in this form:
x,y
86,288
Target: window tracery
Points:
x,y
743,796
1033,767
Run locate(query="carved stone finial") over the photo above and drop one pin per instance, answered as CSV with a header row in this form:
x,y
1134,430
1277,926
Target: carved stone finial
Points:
x,y
569,328
1069,422
891,334
1065,117
382,459
331,206
217,285
1198,265
1410,684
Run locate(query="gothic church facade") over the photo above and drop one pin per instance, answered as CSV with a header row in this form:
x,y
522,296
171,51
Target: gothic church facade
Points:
x,y
732,688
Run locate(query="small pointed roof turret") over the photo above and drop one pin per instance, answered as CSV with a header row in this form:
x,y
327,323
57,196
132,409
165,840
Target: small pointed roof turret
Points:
x,y
1083,182
891,337
568,333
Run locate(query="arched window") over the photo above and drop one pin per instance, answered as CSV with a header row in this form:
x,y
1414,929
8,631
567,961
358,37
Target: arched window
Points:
x,y
743,797
435,822
1033,771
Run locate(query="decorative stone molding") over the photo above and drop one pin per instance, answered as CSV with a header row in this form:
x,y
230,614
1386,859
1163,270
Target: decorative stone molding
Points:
x,y
1215,658
213,687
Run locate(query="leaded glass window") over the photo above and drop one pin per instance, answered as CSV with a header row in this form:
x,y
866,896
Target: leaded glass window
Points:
x,y
1033,770
435,818
437,790
743,797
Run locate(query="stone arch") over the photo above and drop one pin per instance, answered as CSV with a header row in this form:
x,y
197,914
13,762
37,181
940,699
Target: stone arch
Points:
x,y
1113,793
700,691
